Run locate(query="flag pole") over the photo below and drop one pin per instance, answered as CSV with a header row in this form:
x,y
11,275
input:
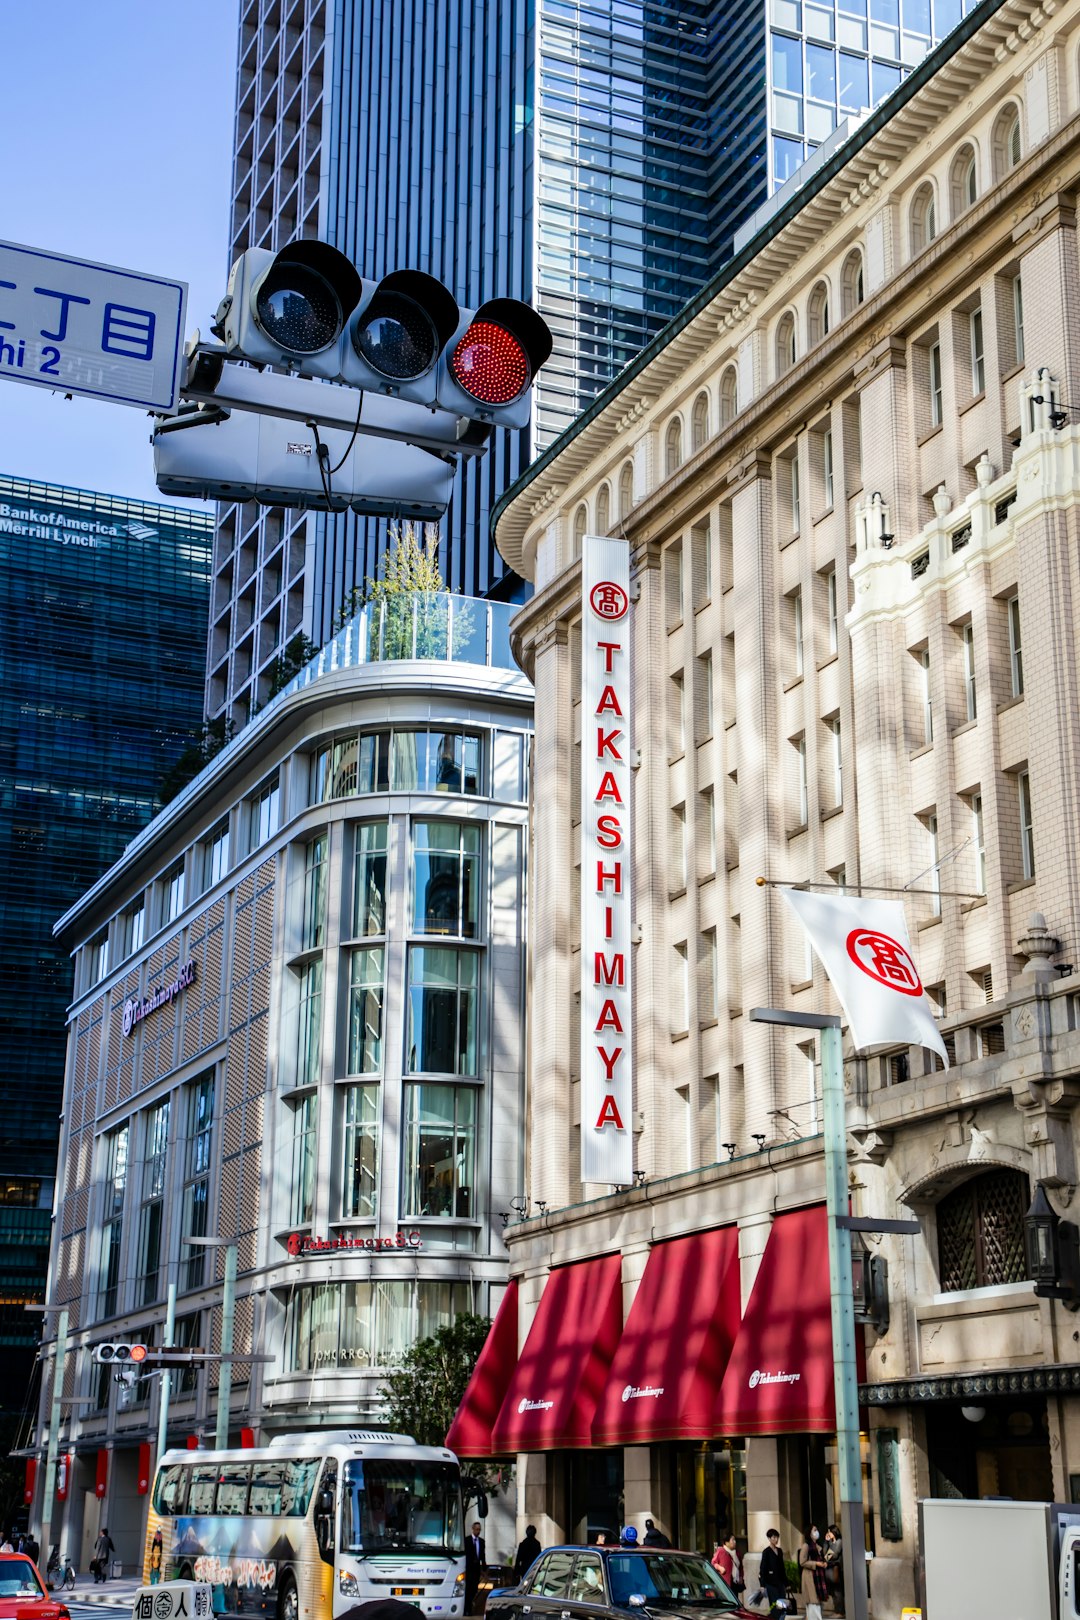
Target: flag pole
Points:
x,y
845,1377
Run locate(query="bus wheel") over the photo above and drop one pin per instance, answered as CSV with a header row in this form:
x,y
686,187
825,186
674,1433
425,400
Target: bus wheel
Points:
x,y
288,1606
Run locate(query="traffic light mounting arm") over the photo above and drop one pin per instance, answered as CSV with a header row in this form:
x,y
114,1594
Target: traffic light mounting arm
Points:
x,y
213,380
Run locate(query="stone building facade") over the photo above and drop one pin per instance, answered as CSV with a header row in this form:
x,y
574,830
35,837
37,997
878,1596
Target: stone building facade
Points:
x,y
307,1044
848,478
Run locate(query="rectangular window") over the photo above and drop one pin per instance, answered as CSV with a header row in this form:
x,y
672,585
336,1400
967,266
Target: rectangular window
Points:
x,y
936,403
709,1007
833,610
978,844
152,1212
796,510
680,989
369,884
174,893
802,785
673,584
134,928
217,856
112,1217
446,878
1027,837
309,1024
440,1141
677,849
99,959
442,1015
305,1118
200,1137
978,357
827,465
265,813
1018,318
705,696
706,831
313,929
836,760
360,1164
933,876
676,716
365,1011
343,778
701,563
423,762
797,631
1016,657
967,639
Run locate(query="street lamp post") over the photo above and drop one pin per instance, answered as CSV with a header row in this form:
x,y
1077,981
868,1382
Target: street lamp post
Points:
x,y
228,1310
843,1304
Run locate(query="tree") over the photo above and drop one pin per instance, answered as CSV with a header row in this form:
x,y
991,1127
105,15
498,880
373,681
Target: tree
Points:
x,y
195,757
423,1394
413,617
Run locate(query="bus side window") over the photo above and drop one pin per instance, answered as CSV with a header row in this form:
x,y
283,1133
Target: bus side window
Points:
x,y
326,1512
170,1494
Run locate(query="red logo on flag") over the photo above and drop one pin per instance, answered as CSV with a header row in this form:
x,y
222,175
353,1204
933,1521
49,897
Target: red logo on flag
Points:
x,y
884,959
608,601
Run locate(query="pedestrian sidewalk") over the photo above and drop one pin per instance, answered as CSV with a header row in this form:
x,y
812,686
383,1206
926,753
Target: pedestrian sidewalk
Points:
x,y
112,1594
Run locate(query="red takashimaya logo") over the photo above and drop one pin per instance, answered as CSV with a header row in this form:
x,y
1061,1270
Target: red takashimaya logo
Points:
x,y
883,958
609,601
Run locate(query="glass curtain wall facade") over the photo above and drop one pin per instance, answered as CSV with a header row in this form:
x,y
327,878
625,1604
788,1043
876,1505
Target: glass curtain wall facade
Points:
x,y
593,158
104,605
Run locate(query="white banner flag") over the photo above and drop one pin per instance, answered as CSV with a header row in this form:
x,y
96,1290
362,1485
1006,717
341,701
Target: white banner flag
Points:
x,y
865,950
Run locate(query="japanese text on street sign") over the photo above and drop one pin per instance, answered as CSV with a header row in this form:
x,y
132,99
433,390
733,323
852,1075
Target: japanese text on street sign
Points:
x,y
607,1141
90,329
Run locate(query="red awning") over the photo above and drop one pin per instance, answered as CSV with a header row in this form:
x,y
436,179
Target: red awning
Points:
x,y
779,1379
552,1397
470,1432
684,1320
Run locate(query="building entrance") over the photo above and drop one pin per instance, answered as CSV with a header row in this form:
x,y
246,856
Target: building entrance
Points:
x,y
990,1448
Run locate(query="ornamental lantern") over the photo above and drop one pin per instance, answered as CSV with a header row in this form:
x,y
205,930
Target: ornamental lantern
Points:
x,y
1052,1248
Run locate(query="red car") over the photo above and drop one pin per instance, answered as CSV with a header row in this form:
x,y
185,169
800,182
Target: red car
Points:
x,y
23,1594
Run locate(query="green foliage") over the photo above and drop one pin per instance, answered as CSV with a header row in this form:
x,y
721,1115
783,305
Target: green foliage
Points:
x,y
298,652
410,592
423,1394
203,747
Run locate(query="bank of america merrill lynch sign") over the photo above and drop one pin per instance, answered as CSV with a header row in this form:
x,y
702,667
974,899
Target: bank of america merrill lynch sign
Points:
x,y
607,1136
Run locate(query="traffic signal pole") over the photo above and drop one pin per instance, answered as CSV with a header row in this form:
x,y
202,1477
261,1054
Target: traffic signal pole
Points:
x,y
166,1375
54,1434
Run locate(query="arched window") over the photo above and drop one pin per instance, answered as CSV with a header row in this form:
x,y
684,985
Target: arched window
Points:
x,y
581,523
923,217
603,509
963,180
699,424
673,446
729,396
785,344
626,491
980,1227
817,313
852,291
1005,141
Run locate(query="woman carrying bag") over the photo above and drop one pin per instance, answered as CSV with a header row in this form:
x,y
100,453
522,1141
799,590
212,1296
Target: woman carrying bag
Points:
x,y
812,1587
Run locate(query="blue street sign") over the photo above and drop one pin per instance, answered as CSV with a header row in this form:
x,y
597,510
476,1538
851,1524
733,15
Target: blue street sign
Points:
x,y
91,329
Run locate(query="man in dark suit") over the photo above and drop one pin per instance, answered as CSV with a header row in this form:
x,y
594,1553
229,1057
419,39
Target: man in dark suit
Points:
x,y
475,1564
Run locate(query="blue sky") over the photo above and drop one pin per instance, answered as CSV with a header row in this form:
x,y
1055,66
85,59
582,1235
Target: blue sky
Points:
x,y
116,124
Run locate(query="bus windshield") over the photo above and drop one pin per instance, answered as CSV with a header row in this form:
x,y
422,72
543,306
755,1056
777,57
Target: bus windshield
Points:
x,y
390,1505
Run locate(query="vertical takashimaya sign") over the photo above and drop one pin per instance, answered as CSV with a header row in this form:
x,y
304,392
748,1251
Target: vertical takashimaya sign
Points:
x,y
607,1136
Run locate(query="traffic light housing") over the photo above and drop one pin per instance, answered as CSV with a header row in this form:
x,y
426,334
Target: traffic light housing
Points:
x,y
289,308
121,1356
396,334
486,371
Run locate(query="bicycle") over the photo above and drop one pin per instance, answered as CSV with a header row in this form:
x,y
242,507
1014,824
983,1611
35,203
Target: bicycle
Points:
x,y
61,1571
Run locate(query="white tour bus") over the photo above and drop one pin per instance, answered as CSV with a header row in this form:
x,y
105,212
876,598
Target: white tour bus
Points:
x,y
313,1524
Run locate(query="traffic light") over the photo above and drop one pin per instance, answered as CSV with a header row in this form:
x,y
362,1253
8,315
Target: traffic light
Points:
x,y
395,335
121,1355
486,371
289,308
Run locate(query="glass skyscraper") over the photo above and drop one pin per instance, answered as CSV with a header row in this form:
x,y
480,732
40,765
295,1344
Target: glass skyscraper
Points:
x,y
103,604
595,158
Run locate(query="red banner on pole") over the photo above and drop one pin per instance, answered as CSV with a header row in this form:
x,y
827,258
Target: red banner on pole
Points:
x,y
101,1482
143,1481
31,1476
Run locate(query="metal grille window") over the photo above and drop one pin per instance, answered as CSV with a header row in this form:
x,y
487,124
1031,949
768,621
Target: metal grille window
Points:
x,y
305,1115
309,1024
360,1152
446,882
313,932
981,1232
369,894
152,1211
116,1172
442,1011
200,1139
365,1011
440,1139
